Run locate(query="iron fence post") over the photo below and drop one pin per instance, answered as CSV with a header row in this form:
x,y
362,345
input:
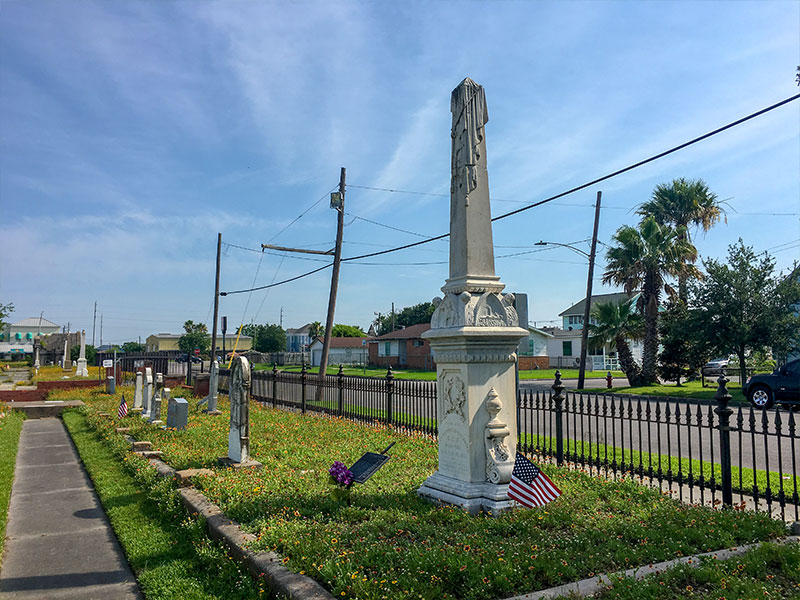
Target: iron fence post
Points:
x,y
558,398
303,372
722,397
389,393
188,368
274,385
340,387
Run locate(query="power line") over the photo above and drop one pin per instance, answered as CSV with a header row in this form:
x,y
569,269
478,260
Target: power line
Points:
x,y
534,204
302,214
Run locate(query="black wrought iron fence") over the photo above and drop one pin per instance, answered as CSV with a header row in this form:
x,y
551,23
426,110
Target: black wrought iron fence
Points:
x,y
699,450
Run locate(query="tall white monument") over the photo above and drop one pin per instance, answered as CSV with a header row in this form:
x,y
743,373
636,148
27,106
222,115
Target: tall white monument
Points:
x,y
82,370
474,334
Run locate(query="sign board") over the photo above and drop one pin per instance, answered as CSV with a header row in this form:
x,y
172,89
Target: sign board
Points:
x,y
108,363
197,351
336,200
366,466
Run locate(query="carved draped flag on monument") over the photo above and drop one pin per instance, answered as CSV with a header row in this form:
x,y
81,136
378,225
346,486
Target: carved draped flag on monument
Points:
x,y
529,486
123,407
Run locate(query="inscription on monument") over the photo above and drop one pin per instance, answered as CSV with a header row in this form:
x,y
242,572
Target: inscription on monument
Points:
x,y
454,454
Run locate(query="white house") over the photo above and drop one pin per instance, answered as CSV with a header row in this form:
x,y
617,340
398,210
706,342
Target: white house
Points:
x,y
342,351
298,340
533,352
564,348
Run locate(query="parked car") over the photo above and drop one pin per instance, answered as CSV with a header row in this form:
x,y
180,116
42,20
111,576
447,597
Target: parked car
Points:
x,y
782,385
181,358
716,366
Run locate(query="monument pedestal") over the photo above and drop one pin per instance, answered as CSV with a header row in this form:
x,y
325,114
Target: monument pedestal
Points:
x,y
82,369
476,402
232,464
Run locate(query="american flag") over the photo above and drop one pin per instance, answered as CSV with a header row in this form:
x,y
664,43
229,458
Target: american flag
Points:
x,y
529,486
123,408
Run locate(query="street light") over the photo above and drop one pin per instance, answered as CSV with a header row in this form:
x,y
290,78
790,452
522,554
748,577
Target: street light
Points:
x,y
587,307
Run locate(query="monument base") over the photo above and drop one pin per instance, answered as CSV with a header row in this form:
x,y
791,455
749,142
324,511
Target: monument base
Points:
x,y
213,412
156,422
472,497
136,410
230,463
82,369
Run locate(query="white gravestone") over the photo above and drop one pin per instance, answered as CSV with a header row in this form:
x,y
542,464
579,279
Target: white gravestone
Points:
x,y
147,394
65,364
213,387
82,370
474,334
138,390
36,364
239,394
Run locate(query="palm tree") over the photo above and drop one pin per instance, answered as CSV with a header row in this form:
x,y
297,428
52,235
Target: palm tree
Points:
x,y
616,323
641,260
683,203
316,330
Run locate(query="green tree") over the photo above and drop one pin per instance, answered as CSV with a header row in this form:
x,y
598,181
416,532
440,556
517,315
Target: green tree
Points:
x,y
743,306
195,336
340,330
316,330
91,353
266,338
410,315
616,323
683,351
133,347
642,259
683,204
5,311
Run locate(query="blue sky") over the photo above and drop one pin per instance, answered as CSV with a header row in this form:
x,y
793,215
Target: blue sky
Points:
x,y
132,132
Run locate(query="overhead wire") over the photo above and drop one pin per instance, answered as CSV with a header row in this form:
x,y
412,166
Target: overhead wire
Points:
x,y
533,204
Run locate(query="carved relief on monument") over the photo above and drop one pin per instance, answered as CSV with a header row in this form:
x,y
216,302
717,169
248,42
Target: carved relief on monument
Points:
x,y
453,393
499,465
488,309
470,114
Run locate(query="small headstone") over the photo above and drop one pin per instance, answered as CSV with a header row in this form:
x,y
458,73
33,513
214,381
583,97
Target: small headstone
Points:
x,y
213,386
177,413
111,385
155,411
147,392
138,390
82,370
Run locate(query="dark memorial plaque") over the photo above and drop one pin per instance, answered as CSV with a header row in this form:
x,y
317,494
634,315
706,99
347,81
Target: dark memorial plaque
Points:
x,y
366,466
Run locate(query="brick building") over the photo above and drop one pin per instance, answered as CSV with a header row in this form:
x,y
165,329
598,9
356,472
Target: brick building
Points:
x,y
404,349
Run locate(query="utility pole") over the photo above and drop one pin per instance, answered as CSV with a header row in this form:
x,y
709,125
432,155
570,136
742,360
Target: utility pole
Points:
x,y
94,321
337,258
101,329
392,316
216,303
587,307
281,318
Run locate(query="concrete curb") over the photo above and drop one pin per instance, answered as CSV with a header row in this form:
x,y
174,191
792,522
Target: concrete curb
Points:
x,y
265,566
586,587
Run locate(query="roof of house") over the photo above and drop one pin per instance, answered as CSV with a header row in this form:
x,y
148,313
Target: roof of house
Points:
x,y
343,342
578,309
306,329
540,331
174,336
412,331
35,322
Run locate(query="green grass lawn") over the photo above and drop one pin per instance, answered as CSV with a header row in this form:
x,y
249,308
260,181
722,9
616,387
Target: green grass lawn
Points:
x,y
691,389
168,551
431,375
770,571
10,428
390,543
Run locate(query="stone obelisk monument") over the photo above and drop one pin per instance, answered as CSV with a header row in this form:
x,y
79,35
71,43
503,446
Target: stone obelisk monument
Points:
x,y
82,369
474,334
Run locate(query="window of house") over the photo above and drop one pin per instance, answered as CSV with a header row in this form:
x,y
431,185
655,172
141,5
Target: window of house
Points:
x,y
575,320
418,343
566,348
387,348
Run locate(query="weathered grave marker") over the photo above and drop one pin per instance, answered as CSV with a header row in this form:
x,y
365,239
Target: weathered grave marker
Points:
x,y
147,394
474,334
177,413
239,434
158,396
138,390
82,370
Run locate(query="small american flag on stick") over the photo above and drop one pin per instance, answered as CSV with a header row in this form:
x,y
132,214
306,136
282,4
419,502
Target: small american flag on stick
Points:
x,y
123,408
529,486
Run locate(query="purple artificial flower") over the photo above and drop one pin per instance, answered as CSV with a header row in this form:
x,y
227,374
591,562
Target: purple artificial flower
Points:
x,y
341,474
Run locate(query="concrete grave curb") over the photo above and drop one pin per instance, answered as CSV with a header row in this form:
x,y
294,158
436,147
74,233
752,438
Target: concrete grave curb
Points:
x,y
263,566
593,585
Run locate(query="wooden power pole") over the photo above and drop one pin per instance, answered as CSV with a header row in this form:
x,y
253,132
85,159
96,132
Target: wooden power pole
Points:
x,y
216,305
588,302
337,259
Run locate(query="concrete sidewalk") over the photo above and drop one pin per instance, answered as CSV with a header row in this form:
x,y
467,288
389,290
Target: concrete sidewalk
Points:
x,y
59,542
